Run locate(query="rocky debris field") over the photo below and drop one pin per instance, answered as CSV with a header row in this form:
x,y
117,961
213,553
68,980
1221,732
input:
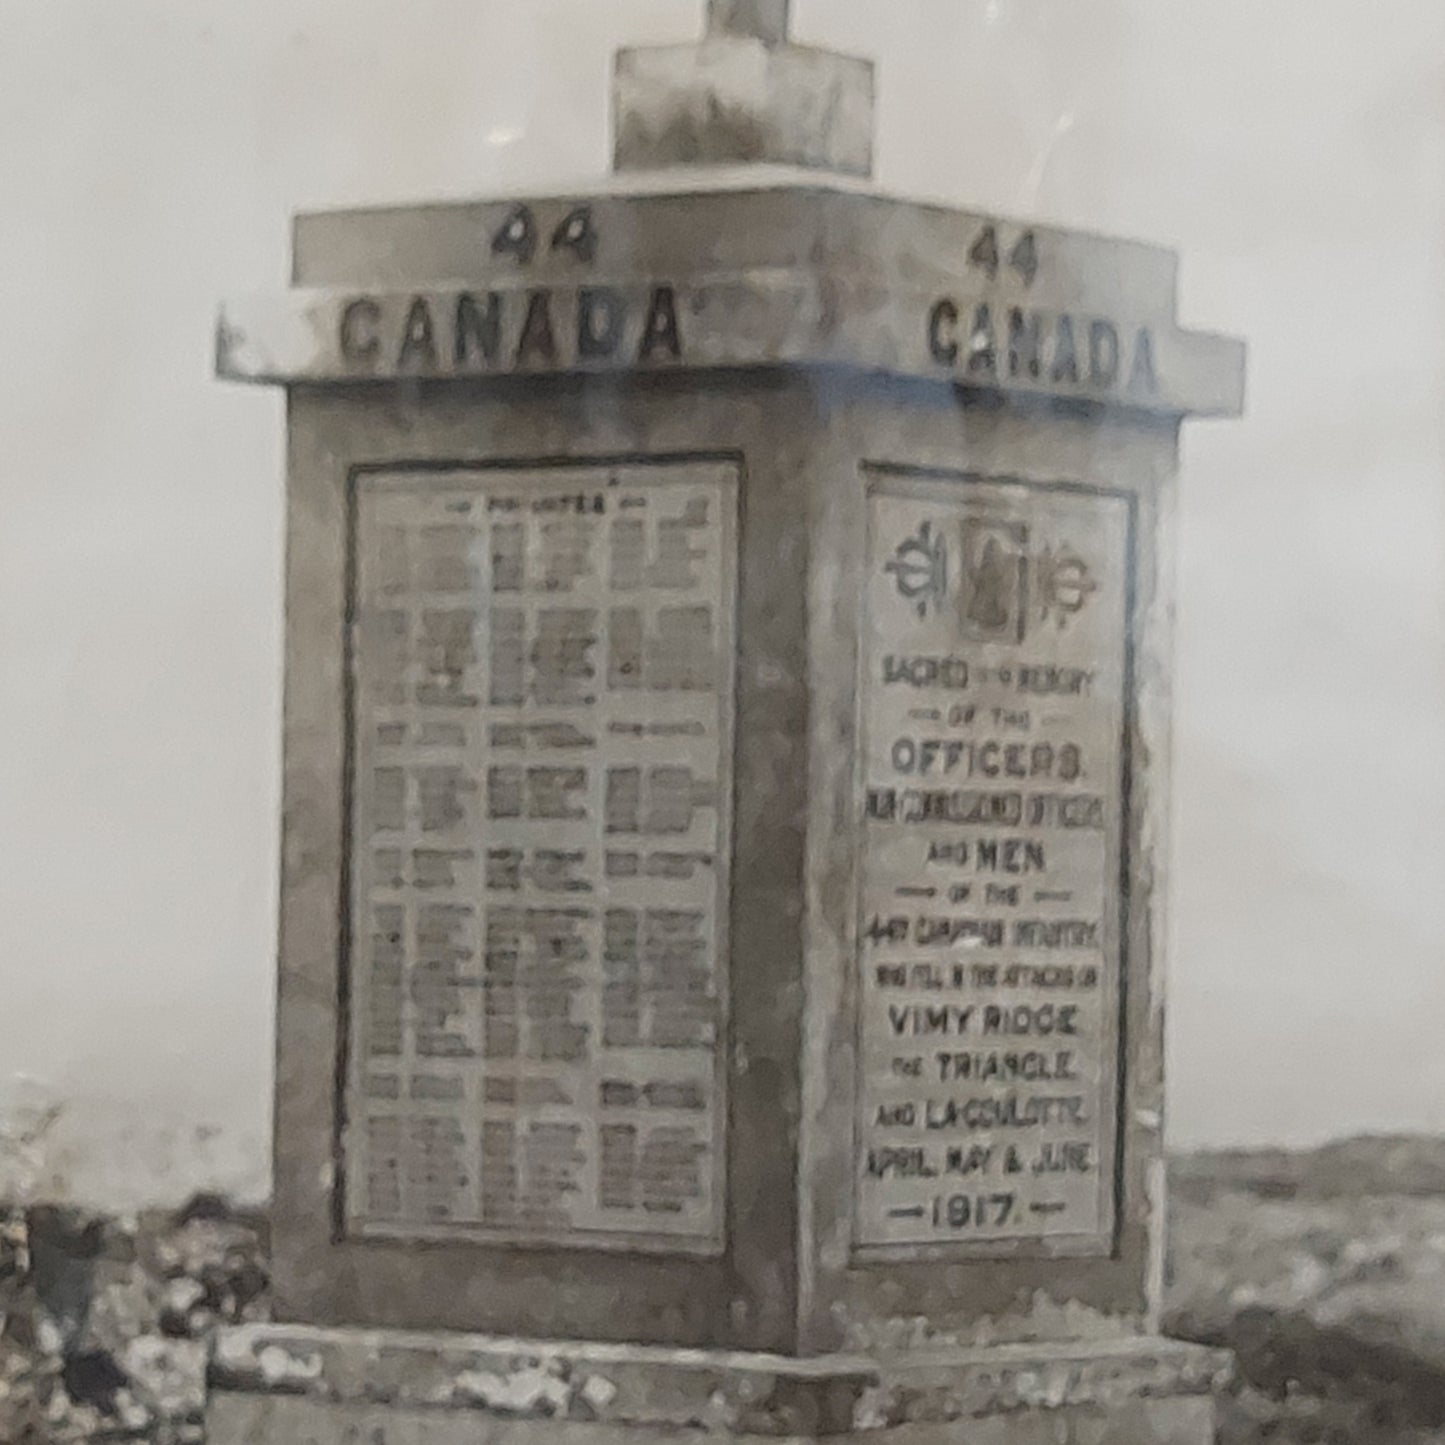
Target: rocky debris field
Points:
x,y
105,1323
1324,1272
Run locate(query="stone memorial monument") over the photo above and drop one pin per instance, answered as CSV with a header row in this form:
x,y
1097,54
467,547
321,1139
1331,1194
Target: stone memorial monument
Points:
x,y
727,722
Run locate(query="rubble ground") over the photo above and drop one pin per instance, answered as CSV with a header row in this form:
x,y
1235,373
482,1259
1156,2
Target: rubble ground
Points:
x,y
105,1323
1323,1272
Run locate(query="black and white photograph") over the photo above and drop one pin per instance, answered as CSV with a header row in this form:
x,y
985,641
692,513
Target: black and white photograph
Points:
x,y
723,722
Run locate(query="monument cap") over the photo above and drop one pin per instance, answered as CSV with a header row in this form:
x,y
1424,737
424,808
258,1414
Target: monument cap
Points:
x,y
746,94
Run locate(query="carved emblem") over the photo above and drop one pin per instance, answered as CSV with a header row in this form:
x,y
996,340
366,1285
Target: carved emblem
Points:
x,y
1063,584
920,568
994,579
1000,586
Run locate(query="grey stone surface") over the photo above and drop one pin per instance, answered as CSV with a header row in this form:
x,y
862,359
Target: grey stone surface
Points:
x,y
599,1392
766,270
796,439
857,1305
802,442
744,95
751,1393
739,99
785,1281
747,1297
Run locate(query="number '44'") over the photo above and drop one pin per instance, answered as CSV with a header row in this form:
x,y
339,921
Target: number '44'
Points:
x,y
1023,256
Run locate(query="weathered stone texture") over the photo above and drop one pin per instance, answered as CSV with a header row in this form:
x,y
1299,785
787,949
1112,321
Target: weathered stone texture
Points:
x,y
276,1382
736,99
744,1394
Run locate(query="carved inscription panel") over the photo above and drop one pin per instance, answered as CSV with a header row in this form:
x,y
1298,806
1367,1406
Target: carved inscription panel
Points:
x,y
995,673
541,717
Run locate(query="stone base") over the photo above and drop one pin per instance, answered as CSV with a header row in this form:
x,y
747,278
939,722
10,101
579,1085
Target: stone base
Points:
x,y
295,1385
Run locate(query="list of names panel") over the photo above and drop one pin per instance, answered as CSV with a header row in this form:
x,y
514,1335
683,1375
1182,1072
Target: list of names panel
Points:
x,y
541,736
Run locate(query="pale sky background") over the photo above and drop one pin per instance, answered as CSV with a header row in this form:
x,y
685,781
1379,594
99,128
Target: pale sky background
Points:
x,y
150,154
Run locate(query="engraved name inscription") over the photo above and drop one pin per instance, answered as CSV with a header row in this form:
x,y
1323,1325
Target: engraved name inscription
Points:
x,y
476,333
541,712
994,677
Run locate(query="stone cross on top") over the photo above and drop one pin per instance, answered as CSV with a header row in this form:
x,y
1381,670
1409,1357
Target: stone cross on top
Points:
x,y
765,20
